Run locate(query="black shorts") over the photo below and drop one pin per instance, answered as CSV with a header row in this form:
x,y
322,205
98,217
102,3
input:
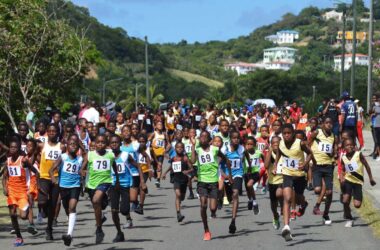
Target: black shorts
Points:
x,y
160,158
272,191
146,176
49,192
209,190
104,189
353,189
170,132
325,172
252,176
67,194
297,182
181,186
238,183
136,181
120,199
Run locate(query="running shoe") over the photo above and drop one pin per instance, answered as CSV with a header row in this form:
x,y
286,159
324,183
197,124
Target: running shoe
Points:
x,y
250,205
310,187
157,183
225,201
327,220
40,219
264,190
119,237
220,204
99,236
129,224
191,196
276,224
207,236
49,234
104,219
213,215
256,209
67,239
32,229
232,228
349,223
133,207
286,234
180,217
302,209
18,242
293,215
139,210
317,211
13,231
55,223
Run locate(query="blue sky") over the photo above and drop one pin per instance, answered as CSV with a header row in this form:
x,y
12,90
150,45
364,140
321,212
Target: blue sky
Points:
x,y
193,20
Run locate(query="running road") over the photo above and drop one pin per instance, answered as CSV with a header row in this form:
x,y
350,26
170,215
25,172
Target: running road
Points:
x,y
158,228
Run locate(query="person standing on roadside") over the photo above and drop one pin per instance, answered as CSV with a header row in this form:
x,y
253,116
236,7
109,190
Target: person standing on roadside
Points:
x,y
31,118
333,111
349,115
376,126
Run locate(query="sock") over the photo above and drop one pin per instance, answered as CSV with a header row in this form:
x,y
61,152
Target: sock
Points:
x,y
72,218
254,202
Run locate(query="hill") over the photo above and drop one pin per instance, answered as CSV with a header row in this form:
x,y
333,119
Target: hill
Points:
x,y
190,77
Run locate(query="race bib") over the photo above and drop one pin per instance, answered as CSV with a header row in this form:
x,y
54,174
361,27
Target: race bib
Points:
x,y
70,168
42,139
14,171
290,163
147,121
351,167
140,117
160,143
177,166
325,147
198,118
255,162
206,158
279,169
303,120
102,165
235,164
142,159
23,149
261,146
226,144
188,148
120,168
52,154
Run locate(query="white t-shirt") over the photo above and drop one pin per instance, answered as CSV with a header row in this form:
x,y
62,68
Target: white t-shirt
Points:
x,y
91,115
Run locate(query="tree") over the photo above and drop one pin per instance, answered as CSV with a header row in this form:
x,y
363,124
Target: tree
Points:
x,y
40,56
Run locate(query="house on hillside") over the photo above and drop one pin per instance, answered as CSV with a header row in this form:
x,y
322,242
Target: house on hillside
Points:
x,y
283,36
281,58
333,14
242,68
360,59
360,37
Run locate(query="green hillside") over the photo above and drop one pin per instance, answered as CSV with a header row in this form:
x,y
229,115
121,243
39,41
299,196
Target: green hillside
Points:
x,y
190,77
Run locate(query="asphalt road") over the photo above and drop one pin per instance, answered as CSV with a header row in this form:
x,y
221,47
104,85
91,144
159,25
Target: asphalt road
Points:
x,y
158,228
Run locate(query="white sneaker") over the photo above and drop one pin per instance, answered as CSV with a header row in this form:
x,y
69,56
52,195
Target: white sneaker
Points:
x,y
349,223
286,233
255,186
129,224
327,220
40,220
378,159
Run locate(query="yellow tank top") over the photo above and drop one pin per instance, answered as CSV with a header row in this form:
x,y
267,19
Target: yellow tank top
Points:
x,y
169,121
275,179
158,144
291,158
354,169
143,162
323,146
49,155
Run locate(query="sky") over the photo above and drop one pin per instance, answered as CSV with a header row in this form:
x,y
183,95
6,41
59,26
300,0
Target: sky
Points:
x,y
165,21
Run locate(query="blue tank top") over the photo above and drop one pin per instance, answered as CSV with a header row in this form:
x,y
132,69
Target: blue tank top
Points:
x,y
132,149
172,152
350,113
123,169
236,160
69,176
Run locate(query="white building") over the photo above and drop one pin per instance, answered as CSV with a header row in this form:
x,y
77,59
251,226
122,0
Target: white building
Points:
x,y
283,36
360,59
242,68
279,65
338,16
279,54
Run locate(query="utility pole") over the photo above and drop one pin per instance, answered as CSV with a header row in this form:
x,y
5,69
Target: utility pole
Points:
x,y
313,93
370,41
147,72
352,85
343,50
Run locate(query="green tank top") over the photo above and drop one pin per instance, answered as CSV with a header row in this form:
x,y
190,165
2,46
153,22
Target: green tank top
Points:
x,y
208,164
255,162
99,167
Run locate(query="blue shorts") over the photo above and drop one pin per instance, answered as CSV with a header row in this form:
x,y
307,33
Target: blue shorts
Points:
x,y
103,187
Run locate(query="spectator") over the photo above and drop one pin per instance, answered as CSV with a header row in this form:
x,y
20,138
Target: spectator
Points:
x,y
91,114
333,111
31,118
295,113
46,118
376,115
360,123
349,115
373,118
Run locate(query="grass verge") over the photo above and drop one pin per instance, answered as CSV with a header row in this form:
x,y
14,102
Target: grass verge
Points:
x,y
190,77
4,213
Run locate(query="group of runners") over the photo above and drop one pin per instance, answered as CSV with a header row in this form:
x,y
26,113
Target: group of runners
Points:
x,y
225,152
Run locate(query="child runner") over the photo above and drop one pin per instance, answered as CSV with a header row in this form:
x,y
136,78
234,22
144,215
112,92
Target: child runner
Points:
x,y
274,181
292,151
33,159
181,167
145,164
207,175
324,147
41,134
69,167
100,180
352,178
